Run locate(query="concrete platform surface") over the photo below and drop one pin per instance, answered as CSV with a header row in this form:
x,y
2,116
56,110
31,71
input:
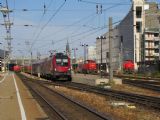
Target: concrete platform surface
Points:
x,y
93,79
16,102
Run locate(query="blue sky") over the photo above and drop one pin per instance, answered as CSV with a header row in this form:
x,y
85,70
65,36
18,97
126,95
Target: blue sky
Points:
x,y
76,21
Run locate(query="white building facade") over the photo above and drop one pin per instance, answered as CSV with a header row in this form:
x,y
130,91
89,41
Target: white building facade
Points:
x,y
129,37
91,53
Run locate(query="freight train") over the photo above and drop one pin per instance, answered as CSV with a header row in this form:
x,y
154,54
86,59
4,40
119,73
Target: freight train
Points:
x,y
54,67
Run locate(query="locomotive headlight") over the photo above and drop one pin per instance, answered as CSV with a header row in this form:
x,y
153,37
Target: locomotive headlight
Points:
x,y
55,69
69,70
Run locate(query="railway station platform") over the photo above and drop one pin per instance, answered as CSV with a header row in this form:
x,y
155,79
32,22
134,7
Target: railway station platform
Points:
x,y
16,102
93,79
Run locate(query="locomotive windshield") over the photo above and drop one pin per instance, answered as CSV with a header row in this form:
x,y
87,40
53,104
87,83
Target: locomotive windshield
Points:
x,y
62,60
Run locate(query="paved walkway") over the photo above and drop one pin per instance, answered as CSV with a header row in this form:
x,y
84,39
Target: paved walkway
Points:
x,y
16,102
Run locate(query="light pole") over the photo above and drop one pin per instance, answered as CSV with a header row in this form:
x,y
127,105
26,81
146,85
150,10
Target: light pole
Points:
x,y
0,62
4,59
121,54
101,38
22,58
31,63
159,45
30,52
74,49
84,45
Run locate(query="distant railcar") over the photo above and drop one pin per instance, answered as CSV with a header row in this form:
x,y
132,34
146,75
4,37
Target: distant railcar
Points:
x,y
89,66
11,66
16,68
128,66
26,69
56,67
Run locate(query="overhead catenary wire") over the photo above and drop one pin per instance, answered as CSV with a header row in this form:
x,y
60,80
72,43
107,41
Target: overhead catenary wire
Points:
x,y
108,8
104,3
87,34
60,30
104,9
89,30
98,30
43,27
41,18
70,25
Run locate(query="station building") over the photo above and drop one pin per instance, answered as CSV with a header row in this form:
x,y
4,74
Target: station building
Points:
x,y
135,38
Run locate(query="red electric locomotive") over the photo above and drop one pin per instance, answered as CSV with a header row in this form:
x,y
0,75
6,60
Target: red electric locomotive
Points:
x,y
17,68
128,66
56,66
88,67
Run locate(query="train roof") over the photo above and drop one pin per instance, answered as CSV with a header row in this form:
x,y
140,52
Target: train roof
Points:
x,y
39,61
60,54
50,57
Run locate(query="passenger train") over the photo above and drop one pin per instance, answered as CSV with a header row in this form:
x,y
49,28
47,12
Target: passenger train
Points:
x,y
54,67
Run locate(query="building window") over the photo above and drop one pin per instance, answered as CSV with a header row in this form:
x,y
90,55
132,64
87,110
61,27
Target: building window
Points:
x,y
139,27
156,34
156,43
138,12
156,50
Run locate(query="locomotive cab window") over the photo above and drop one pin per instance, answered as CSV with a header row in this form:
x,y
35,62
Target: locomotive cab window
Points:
x,y
62,62
58,61
65,62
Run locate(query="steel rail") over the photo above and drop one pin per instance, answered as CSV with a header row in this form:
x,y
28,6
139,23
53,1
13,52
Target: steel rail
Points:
x,y
91,110
138,77
77,103
49,105
143,84
149,101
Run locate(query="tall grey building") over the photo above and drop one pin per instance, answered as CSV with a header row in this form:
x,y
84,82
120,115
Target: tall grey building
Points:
x,y
135,38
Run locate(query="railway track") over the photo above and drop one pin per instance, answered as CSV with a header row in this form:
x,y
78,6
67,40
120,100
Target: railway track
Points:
x,y
151,85
137,77
147,101
63,107
128,77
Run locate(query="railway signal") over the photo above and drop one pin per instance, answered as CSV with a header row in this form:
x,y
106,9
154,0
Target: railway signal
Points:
x,y
84,45
101,38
